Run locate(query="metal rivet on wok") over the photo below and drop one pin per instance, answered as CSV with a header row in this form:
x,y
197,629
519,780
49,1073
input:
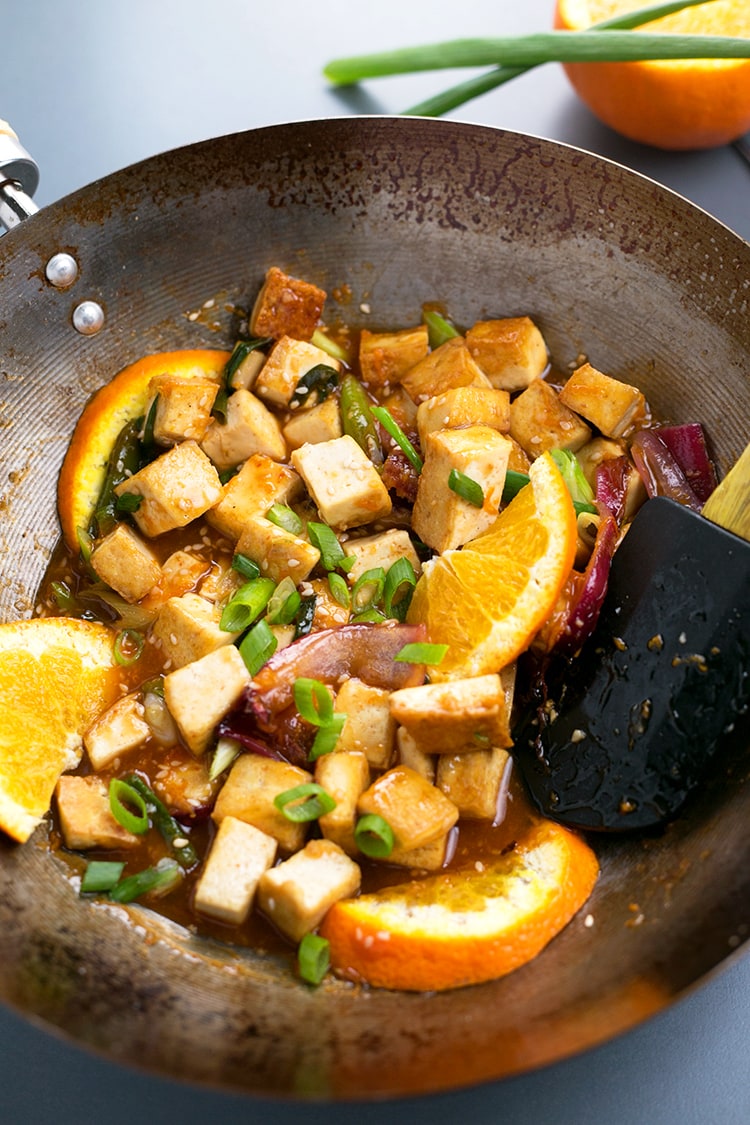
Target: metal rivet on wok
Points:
x,y
88,318
61,270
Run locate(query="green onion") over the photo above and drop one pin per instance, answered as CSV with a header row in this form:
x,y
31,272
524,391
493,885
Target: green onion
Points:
x,y
313,700
63,596
226,474
391,426
170,830
122,795
582,508
320,340
357,419
128,647
304,802
331,552
284,604
285,518
327,737
313,958
154,686
227,749
374,836
163,877
245,566
246,605
257,646
369,617
320,380
421,652
368,589
438,328
124,460
305,615
85,543
219,408
339,589
128,502
399,585
240,352
466,487
147,436
514,482
101,875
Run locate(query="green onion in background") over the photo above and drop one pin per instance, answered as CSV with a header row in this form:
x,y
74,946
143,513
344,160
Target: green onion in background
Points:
x,y
313,958
170,829
227,749
439,330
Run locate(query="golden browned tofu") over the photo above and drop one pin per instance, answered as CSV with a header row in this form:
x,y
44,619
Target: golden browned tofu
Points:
x,y
385,357
250,427
260,483
381,550
344,775
328,613
417,812
183,781
510,351
286,306
473,780
278,553
540,421
187,628
591,455
409,754
249,792
288,361
319,423
183,407
450,365
610,405
296,894
343,482
86,820
464,406
369,726
123,561
118,730
400,405
456,716
430,857
199,694
238,857
176,488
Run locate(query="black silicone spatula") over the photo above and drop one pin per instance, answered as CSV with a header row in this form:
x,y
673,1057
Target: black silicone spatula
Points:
x,y
627,728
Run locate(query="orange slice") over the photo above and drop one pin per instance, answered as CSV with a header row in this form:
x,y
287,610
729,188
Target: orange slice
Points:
x,y
115,404
488,600
685,104
56,675
464,927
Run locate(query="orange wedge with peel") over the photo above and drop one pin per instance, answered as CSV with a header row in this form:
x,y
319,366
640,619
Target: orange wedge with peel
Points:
x,y
120,401
464,927
56,675
488,600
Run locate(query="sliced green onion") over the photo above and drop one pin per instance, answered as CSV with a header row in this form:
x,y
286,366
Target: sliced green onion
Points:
x,y
63,595
514,482
128,647
327,737
170,830
163,877
339,589
240,352
368,589
245,566
124,460
391,426
123,798
466,487
257,647
573,475
438,328
331,552
421,652
357,420
219,408
284,604
246,605
285,518
85,543
305,616
320,380
227,749
313,700
128,502
321,340
399,585
313,958
374,836
582,508
369,617
226,474
147,436
304,802
154,686
101,875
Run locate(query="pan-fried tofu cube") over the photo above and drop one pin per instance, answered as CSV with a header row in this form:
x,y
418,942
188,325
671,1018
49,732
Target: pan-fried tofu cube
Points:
x,y
250,427
344,775
319,423
591,455
381,550
86,819
297,893
187,628
430,857
409,754
343,482
511,351
177,487
287,362
239,855
473,781
456,716
402,408
221,583
120,729
286,306
540,421
442,518
518,461
417,812
127,564
327,613
249,792
464,406
183,782
260,483
180,573
183,407
613,407
385,357
199,694
450,365
369,726
278,553
247,370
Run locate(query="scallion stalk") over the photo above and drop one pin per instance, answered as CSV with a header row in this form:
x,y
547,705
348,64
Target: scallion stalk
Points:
x,y
123,799
400,580
101,875
285,518
162,877
313,958
171,831
332,554
392,428
374,836
421,652
304,802
246,605
466,487
327,737
257,646
368,589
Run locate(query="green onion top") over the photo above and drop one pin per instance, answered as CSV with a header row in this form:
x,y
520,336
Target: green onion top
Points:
x,y
374,836
391,427
101,875
123,799
438,328
313,958
327,737
421,652
466,487
399,586
246,605
313,701
332,556
257,647
285,518
304,802
245,566
368,590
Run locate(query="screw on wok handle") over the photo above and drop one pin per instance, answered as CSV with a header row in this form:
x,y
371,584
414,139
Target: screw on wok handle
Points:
x,y
19,178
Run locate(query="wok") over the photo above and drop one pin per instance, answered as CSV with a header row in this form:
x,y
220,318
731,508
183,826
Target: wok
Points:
x,y
389,213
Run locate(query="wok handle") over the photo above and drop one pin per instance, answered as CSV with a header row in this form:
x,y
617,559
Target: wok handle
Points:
x,y
19,179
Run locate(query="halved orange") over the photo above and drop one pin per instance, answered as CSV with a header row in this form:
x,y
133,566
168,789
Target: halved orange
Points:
x,y
487,600
464,927
56,675
120,401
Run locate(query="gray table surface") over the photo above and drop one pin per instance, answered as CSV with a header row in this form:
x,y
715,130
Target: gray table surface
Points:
x,y
92,86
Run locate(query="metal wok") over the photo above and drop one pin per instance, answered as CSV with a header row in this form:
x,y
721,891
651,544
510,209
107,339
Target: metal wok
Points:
x,y
387,213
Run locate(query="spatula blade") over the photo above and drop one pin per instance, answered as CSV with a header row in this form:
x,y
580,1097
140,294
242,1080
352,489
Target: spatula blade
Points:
x,y
631,724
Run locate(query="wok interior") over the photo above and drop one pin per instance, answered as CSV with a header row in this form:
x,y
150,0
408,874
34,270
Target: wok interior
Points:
x,y
385,213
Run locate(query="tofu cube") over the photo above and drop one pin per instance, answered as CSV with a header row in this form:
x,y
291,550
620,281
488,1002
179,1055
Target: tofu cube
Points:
x,y
287,362
409,754
297,893
344,775
430,857
221,583
260,483
402,408
86,820
591,455
119,730
183,407
286,306
613,407
247,370
474,781
385,357
187,628
319,423
442,518
511,351
199,694
123,561
180,573
328,613
450,365
417,812
455,716
250,427
343,482
248,794
183,782
177,487
540,421
278,553
369,726
239,855
381,550
464,406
